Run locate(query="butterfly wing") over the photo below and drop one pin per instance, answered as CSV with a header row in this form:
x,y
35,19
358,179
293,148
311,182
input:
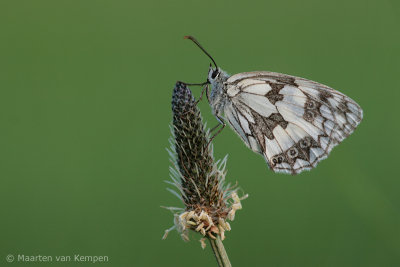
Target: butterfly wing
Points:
x,y
293,122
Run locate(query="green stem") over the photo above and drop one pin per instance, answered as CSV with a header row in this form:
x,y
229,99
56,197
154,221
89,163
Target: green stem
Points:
x,y
220,252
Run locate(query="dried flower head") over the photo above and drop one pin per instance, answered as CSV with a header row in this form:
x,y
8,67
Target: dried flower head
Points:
x,y
209,203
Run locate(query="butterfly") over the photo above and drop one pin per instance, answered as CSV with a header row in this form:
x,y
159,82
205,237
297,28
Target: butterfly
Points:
x,y
294,123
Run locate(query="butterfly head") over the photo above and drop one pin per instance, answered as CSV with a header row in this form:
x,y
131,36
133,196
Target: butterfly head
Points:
x,y
216,75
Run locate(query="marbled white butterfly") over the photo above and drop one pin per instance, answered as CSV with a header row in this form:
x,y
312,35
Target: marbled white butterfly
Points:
x,y
293,122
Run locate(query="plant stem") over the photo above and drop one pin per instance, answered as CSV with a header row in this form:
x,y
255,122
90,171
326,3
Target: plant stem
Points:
x,y
220,252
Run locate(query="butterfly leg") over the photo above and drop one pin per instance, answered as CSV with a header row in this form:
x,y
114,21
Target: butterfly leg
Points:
x,y
221,123
208,93
205,89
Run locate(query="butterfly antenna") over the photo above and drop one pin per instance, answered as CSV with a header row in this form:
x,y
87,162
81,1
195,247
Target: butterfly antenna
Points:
x,y
199,45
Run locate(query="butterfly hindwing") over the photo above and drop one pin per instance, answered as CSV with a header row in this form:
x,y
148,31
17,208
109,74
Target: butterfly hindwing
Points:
x,y
293,122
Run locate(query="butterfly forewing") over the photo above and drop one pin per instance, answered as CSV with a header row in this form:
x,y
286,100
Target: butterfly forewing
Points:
x,y
293,122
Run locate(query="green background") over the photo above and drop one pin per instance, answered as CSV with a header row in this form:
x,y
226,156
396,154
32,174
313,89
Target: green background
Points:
x,y
85,92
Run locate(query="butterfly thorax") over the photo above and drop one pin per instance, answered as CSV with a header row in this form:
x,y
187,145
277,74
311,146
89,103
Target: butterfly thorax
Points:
x,y
218,96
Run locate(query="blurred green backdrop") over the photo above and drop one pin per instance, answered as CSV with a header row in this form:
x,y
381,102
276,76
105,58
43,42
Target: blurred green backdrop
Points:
x,y
85,91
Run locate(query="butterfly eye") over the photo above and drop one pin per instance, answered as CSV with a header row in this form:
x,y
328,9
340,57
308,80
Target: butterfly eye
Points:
x,y
214,74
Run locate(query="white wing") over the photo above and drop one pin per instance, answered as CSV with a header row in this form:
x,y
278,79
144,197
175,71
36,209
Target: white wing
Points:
x,y
293,122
